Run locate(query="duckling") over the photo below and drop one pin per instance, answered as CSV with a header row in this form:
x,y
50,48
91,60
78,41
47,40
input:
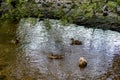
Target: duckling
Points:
x,y
55,56
82,62
75,42
16,41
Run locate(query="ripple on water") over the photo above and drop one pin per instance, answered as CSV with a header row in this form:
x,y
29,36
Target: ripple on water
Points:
x,y
98,48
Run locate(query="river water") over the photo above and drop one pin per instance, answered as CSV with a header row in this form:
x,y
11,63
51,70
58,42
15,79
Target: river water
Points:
x,y
28,60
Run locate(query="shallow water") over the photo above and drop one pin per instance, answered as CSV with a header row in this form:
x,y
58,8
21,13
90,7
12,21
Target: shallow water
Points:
x,y
7,49
30,56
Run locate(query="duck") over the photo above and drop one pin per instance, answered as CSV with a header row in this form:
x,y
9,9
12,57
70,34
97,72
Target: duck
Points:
x,y
55,56
75,42
16,41
82,62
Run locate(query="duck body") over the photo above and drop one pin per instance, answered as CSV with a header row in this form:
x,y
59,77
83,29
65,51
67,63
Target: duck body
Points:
x,y
82,62
75,42
16,41
55,56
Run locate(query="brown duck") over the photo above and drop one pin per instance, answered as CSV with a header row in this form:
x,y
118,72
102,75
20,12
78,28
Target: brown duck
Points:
x,y
16,41
55,56
75,42
82,62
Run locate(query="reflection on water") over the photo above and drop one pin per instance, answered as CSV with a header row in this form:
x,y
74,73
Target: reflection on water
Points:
x,y
31,62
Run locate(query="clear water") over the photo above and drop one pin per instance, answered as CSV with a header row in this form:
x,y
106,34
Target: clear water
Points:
x,y
29,60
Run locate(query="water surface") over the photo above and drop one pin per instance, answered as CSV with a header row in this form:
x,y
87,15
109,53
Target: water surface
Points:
x,y
29,59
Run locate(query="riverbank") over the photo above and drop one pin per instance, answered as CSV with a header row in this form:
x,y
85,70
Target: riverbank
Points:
x,y
67,12
99,21
108,23
105,23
